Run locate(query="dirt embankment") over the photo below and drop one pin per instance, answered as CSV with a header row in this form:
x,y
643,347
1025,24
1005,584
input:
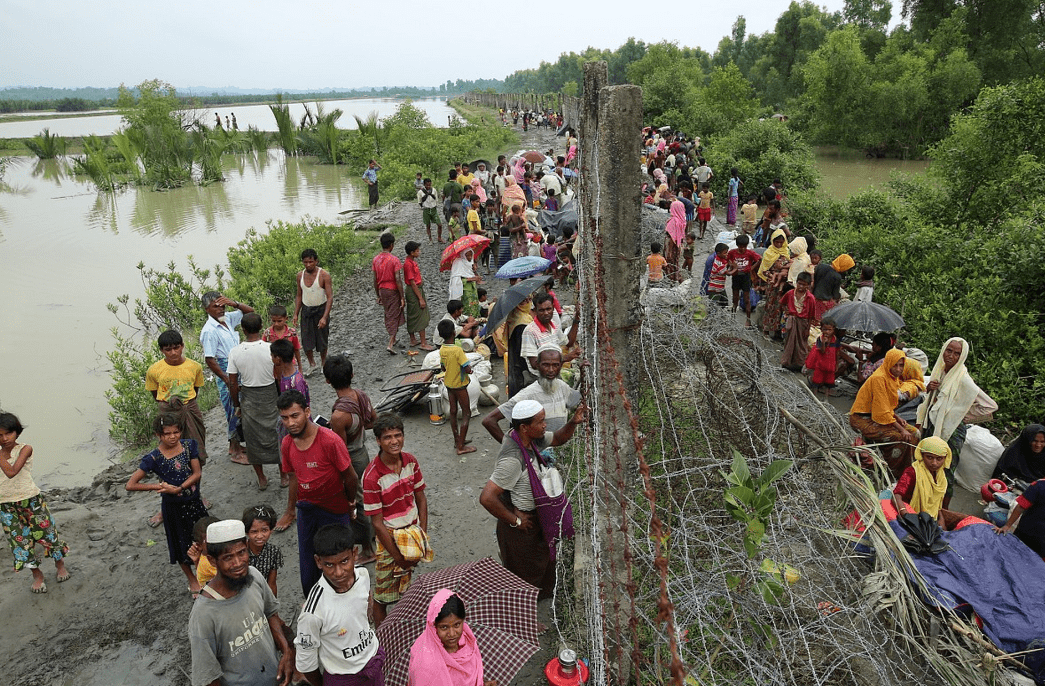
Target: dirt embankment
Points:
x,y
122,617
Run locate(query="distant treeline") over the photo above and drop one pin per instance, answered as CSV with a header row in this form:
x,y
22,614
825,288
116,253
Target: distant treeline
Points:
x,y
842,78
81,99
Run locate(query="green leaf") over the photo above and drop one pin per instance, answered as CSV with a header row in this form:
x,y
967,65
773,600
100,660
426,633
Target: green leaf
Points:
x,y
774,471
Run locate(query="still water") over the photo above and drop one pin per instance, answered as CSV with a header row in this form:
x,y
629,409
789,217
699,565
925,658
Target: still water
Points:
x,y
844,172
258,116
66,251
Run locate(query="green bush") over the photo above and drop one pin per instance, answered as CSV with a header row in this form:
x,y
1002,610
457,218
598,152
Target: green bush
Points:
x,y
761,151
261,272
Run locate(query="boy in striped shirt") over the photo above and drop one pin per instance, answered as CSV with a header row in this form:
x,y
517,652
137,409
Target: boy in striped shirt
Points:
x,y
720,269
394,499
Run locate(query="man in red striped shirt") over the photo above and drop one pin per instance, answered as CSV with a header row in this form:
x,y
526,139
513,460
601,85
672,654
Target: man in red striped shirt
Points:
x,y
394,499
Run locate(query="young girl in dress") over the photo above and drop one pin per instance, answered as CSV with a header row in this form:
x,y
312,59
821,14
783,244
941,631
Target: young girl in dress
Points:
x,y
176,462
259,521
23,512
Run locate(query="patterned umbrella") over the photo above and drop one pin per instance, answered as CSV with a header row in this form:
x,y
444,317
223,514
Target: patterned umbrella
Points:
x,y
865,316
473,241
521,267
501,609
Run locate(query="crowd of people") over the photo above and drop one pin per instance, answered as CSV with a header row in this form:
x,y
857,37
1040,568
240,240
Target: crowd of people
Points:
x,y
788,291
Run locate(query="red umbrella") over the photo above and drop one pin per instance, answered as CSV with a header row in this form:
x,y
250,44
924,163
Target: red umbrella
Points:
x,y
501,609
534,156
473,241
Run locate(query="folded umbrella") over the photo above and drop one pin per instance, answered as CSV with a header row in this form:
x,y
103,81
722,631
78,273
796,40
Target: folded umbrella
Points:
x,y
509,301
521,267
501,609
473,241
865,316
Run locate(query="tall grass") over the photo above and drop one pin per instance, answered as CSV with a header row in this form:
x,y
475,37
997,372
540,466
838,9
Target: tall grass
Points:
x,y
286,136
46,145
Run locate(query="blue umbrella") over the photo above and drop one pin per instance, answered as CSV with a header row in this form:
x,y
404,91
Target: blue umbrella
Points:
x,y
521,267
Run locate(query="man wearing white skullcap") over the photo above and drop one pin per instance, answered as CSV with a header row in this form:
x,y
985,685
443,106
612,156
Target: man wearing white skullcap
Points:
x,y
234,630
509,498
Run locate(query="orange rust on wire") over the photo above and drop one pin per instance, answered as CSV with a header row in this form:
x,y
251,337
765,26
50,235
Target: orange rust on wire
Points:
x,y
665,609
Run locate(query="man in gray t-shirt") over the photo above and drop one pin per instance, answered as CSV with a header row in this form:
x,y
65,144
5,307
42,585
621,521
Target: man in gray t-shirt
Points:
x,y
234,630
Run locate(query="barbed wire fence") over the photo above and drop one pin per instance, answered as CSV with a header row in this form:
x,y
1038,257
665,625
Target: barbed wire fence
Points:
x,y
660,587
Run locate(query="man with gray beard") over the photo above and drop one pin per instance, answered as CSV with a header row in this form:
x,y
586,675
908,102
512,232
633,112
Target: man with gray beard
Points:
x,y
234,631
554,395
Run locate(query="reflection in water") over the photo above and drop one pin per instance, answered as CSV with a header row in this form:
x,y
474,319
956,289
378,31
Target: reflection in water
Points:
x,y
52,170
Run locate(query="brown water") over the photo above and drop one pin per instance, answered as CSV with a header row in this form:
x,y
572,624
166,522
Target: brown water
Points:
x,y
845,172
66,251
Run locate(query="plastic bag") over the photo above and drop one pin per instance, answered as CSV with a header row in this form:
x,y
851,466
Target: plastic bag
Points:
x,y
979,457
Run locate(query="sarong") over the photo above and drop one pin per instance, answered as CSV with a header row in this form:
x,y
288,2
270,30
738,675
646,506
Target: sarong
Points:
x,y
371,191
796,344
525,554
671,254
771,318
371,675
310,519
191,419
179,517
417,318
504,251
26,523
313,337
898,456
260,419
226,402
393,306
470,298
822,307
391,582
731,210
362,528
519,247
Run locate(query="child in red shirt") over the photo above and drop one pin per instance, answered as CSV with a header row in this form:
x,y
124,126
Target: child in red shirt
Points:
x,y
742,261
279,330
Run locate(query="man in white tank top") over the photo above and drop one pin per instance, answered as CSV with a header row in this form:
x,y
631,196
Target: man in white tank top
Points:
x,y
315,295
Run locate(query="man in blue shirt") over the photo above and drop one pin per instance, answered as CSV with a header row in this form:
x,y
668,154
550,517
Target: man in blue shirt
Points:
x,y
218,337
370,176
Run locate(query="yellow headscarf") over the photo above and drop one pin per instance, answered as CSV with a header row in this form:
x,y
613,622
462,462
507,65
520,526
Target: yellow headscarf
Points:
x,y
912,381
929,491
843,263
878,396
773,253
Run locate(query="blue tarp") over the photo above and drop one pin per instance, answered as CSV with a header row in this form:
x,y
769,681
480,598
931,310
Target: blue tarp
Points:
x,y
999,578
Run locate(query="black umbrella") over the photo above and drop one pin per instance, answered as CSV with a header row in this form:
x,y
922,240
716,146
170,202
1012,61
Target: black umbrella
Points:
x,y
865,316
509,301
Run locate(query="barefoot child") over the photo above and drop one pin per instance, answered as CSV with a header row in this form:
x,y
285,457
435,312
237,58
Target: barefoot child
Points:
x,y
655,264
177,464
798,304
394,498
417,313
822,360
705,209
23,512
335,642
259,521
687,252
279,330
742,261
457,367
455,222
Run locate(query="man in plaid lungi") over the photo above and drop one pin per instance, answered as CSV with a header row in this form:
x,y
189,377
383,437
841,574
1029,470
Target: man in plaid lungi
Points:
x,y
394,498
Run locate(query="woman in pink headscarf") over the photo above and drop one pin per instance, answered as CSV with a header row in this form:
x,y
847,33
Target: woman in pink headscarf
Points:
x,y
675,230
572,154
477,189
446,653
519,170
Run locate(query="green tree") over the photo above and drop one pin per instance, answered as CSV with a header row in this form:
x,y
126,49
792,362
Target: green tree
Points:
x,y
837,98
871,15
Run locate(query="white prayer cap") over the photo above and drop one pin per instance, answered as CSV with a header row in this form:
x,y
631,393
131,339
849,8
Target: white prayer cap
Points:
x,y
225,531
525,409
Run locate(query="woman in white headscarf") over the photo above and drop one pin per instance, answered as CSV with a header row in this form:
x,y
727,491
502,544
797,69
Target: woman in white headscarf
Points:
x,y
462,283
800,260
953,401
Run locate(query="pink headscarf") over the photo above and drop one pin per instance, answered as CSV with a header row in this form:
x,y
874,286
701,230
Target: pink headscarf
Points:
x,y
431,665
571,154
477,188
519,170
676,226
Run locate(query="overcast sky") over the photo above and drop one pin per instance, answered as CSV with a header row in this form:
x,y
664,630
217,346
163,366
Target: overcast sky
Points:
x,y
316,44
